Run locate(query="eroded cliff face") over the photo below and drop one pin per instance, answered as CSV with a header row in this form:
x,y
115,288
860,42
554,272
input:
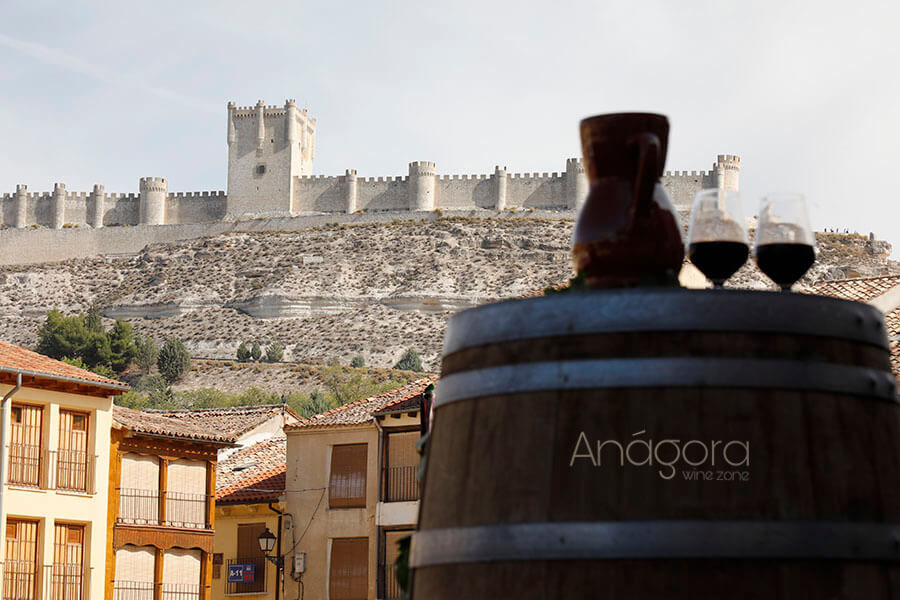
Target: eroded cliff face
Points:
x,y
337,291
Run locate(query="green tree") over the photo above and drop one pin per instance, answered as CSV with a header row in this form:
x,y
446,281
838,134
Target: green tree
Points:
x,y
101,370
358,362
274,352
93,320
61,336
243,353
410,362
255,351
121,345
174,360
315,403
145,353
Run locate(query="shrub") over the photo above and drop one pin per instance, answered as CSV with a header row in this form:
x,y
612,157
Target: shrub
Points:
x,y
255,351
101,370
243,353
410,362
274,352
174,360
358,362
145,353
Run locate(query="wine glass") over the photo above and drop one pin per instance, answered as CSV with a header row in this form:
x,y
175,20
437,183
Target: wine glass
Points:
x,y
717,236
784,245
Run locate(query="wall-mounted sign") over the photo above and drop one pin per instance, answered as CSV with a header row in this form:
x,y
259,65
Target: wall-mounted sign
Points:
x,y
241,573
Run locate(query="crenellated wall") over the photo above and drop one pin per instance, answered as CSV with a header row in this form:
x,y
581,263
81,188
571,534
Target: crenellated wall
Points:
x,y
25,209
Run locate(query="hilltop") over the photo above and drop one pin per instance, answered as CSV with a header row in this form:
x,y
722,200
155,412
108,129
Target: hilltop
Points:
x,y
336,291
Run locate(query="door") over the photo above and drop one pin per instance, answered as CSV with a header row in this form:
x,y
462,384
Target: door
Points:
x,y
26,424
249,553
68,562
20,569
72,458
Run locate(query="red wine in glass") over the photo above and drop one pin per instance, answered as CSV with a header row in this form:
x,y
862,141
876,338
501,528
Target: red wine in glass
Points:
x,y
785,263
718,260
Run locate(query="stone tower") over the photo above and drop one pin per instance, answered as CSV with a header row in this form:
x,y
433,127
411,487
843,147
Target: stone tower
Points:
x,y
728,171
153,201
421,185
268,146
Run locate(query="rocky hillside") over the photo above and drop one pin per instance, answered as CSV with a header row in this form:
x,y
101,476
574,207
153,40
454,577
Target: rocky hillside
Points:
x,y
336,291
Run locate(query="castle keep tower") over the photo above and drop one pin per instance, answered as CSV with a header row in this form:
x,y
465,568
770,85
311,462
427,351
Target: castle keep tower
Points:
x,y
98,199
268,146
153,201
21,205
576,184
728,171
58,205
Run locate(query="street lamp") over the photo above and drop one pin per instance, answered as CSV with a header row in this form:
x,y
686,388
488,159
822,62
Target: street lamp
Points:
x,y
267,543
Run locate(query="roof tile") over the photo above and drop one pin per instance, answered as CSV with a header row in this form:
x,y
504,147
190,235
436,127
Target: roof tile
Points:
x,y
16,358
253,473
152,423
859,289
233,420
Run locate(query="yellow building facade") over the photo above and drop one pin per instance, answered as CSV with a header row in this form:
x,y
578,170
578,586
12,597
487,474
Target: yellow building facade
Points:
x,y
55,455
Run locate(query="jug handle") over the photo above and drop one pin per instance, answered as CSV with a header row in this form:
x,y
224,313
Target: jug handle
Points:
x,y
649,149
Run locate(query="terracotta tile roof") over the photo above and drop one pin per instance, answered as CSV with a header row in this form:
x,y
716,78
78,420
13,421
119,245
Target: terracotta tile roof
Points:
x,y
16,359
860,289
152,423
254,473
892,322
362,411
233,420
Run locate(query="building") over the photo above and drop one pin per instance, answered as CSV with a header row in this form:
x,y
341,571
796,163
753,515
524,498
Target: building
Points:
x,y
270,155
249,487
161,507
248,425
352,493
55,454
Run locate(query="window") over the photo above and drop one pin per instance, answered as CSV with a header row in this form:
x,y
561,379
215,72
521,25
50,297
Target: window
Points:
x,y
260,169
139,490
181,574
249,553
401,467
347,487
68,562
135,573
349,576
186,493
72,464
25,452
20,568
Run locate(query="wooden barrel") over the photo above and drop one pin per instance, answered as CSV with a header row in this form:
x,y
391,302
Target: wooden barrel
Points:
x,y
663,444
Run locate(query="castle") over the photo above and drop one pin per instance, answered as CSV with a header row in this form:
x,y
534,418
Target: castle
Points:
x,y
270,155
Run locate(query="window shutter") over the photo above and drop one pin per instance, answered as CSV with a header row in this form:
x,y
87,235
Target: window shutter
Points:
x,y
347,486
349,577
181,567
135,564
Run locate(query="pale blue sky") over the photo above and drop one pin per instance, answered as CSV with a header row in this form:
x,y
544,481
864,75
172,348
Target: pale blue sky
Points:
x,y
107,92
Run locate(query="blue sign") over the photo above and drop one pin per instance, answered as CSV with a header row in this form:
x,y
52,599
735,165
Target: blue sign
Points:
x,y
241,573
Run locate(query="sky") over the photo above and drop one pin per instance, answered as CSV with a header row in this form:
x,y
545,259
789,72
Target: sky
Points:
x,y
806,93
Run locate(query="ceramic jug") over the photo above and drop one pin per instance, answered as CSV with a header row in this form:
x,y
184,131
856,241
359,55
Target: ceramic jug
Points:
x,y
627,232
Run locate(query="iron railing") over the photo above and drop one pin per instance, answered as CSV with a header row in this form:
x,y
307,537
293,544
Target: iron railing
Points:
x,y
64,581
392,589
133,590
138,507
25,465
180,591
186,510
258,585
74,470
401,484
19,580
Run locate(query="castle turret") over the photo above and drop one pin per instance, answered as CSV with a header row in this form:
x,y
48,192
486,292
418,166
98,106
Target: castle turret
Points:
x,y
98,199
260,125
291,134
421,185
153,201
58,204
500,188
576,184
728,171
350,192
232,135
21,205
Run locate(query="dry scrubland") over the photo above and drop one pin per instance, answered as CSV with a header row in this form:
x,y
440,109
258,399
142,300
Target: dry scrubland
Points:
x,y
333,292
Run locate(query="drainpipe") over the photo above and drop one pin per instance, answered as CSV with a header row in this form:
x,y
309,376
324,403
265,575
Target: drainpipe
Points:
x,y
3,437
279,578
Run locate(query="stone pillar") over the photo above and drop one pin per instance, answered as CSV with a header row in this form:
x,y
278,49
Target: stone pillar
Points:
x,y
350,190
153,201
421,185
500,188
58,205
232,135
290,119
576,184
21,206
98,199
260,124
